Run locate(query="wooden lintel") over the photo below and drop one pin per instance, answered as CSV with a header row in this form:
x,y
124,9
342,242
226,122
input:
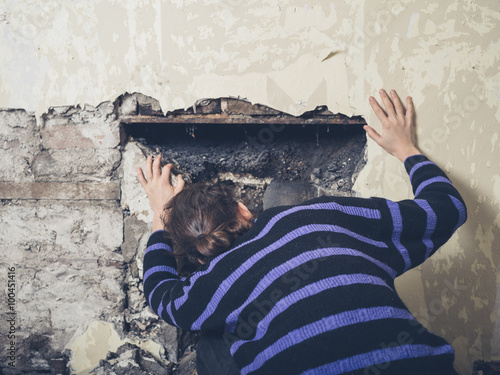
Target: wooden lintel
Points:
x,y
60,190
207,119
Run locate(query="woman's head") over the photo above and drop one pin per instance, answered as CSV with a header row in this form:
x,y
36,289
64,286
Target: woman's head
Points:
x,y
203,220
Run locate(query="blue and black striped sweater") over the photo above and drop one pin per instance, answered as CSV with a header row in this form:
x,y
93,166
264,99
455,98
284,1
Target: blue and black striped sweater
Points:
x,y
310,288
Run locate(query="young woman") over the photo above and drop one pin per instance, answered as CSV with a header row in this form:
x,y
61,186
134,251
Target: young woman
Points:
x,y
307,288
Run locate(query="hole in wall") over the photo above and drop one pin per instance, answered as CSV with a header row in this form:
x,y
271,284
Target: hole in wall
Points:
x,y
273,158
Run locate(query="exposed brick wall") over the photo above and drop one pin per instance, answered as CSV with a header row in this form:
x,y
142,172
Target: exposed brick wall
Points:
x,y
63,227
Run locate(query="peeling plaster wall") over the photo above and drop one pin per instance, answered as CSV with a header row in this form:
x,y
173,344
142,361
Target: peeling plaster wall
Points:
x,y
295,55
446,54
60,52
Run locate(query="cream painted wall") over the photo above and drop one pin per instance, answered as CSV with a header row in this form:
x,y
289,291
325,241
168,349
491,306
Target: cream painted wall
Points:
x,y
446,54
294,55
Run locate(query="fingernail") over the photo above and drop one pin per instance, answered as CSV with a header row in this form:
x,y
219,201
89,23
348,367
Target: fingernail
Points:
x,y
393,91
382,91
371,98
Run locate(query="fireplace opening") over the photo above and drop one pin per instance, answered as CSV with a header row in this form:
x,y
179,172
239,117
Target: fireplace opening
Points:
x,y
271,157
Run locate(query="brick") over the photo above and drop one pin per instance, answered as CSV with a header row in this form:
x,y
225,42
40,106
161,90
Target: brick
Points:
x,y
138,104
60,190
19,143
133,231
133,197
73,127
87,135
47,230
12,121
76,165
15,166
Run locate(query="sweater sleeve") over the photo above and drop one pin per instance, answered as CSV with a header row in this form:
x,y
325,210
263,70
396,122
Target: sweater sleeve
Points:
x,y
169,295
161,280
418,227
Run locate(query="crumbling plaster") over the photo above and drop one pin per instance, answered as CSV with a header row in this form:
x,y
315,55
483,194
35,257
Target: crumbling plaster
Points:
x,y
293,56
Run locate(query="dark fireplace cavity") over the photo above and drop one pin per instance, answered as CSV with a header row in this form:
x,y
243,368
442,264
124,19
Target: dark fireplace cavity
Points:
x,y
273,158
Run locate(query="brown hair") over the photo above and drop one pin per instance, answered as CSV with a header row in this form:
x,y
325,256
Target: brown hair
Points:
x,y
202,220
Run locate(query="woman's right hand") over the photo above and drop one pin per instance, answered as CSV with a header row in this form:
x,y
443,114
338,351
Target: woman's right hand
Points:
x,y
158,188
398,136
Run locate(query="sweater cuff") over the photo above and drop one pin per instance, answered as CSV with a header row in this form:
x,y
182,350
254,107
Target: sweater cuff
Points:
x,y
411,161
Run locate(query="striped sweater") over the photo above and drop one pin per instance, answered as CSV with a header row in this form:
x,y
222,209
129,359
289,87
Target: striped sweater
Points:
x,y
310,288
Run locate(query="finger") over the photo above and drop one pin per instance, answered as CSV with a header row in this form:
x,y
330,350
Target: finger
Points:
x,y
156,167
165,174
378,109
140,177
389,106
373,133
149,170
409,109
180,183
400,111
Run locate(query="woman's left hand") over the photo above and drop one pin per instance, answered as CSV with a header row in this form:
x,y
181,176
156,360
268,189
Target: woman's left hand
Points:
x,y
157,186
